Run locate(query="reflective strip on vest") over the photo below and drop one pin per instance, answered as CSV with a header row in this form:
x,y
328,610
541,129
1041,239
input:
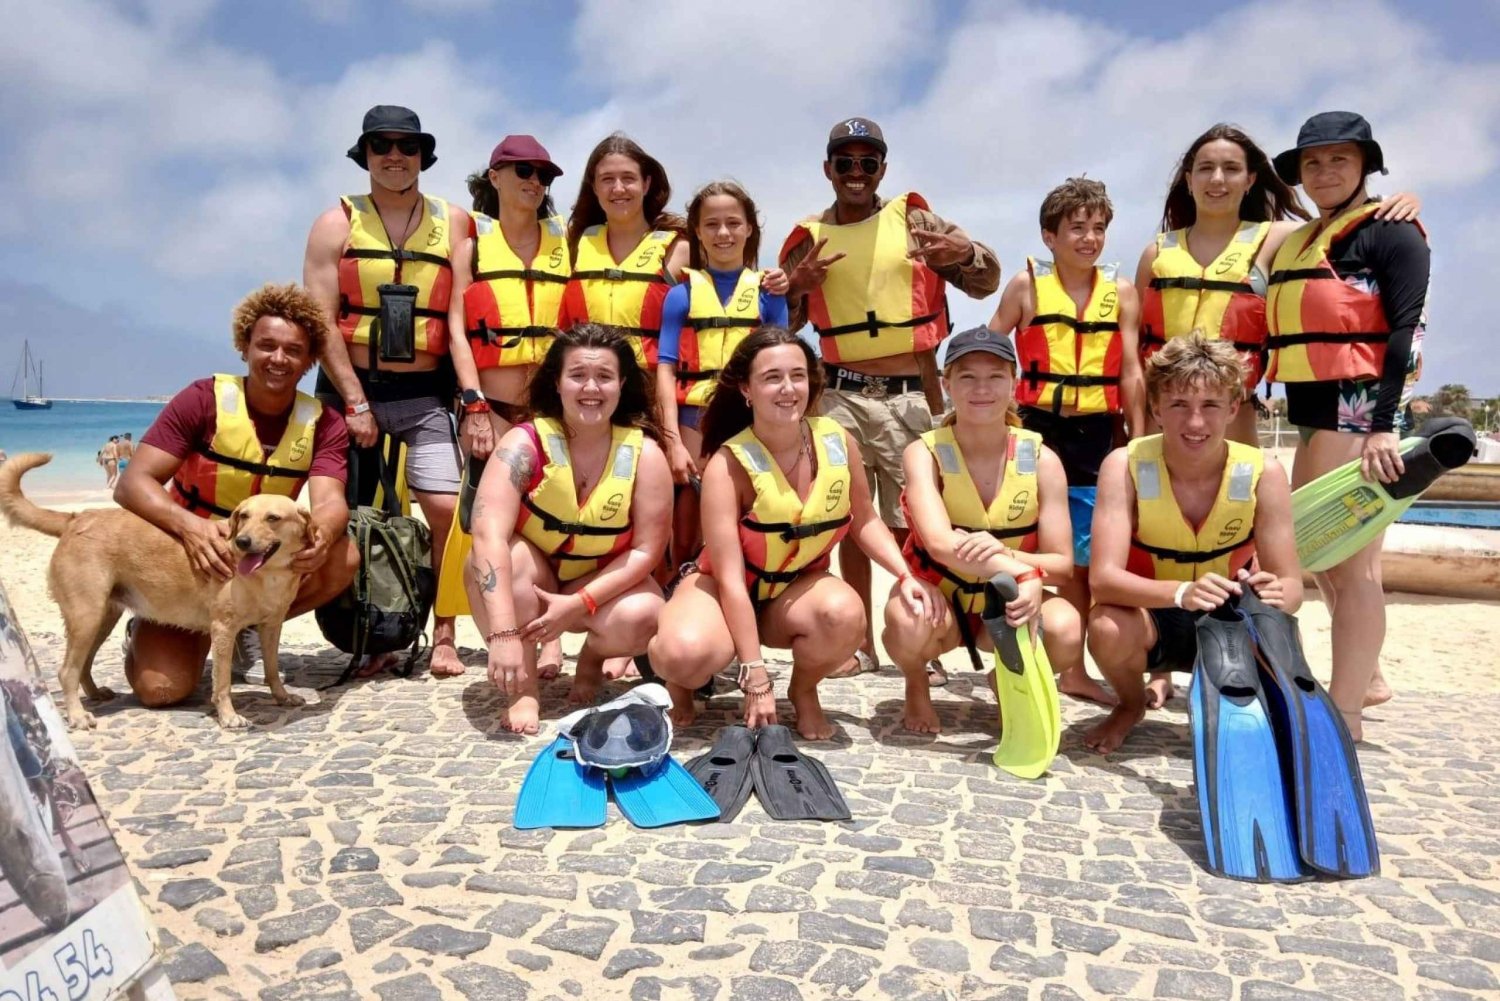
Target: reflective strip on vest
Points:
x,y
1220,300
213,480
712,331
627,294
876,302
510,308
1165,546
1011,517
1067,359
1323,327
782,536
579,539
369,261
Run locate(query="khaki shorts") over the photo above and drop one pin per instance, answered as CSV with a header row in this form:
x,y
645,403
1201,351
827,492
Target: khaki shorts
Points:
x,y
882,427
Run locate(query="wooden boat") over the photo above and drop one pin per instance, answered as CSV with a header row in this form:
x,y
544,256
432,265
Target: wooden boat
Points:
x,y
1448,562
1478,481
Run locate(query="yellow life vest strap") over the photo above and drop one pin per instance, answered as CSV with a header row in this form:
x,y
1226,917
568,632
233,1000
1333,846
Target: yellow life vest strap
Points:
x,y
873,325
791,532
554,524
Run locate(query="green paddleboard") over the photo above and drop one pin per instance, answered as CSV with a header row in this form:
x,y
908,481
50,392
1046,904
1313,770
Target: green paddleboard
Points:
x,y
1339,513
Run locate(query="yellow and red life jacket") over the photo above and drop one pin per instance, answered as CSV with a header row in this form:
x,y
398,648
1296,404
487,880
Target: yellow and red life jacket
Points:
x,y
212,481
627,294
1165,546
712,331
580,538
1067,358
1011,517
510,309
1323,327
876,302
370,261
1220,300
783,536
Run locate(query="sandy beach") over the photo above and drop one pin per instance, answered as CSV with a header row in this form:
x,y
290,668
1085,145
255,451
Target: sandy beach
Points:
x,y
361,847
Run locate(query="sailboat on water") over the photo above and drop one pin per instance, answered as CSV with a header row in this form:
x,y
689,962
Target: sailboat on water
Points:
x,y
29,366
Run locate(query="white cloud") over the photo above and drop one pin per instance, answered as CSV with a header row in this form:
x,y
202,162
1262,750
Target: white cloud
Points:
x,y
983,117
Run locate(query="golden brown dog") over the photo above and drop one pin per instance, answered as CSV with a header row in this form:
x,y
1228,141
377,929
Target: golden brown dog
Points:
x,y
110,560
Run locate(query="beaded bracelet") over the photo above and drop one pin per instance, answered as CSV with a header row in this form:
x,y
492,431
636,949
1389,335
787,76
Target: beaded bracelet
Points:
x,y
744,679
513,632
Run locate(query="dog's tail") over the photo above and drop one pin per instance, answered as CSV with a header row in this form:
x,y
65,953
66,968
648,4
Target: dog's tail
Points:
x,y
20,511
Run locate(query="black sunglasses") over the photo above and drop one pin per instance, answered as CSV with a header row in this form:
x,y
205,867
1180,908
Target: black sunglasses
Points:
x,y
381,145
844,164
544,174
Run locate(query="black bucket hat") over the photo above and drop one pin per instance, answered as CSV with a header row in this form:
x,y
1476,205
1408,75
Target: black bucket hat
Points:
x,y
1327,129
393,118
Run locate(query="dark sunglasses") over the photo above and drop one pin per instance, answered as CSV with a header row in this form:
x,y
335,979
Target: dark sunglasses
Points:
x,y
381,145
544,174
844,164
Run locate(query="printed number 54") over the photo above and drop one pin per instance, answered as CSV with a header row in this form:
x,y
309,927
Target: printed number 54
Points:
x,y
78,972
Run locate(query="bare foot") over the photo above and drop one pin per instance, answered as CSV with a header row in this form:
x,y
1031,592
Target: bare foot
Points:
x,y
523,714
377,664
586,679
1378,693
684,711
1077,684
616,668
811,723
920,716
549,660
444,662
1111,733
1159,690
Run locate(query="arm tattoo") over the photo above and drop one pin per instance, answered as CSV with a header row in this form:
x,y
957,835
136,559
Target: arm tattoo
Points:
x,y
488,579
521,464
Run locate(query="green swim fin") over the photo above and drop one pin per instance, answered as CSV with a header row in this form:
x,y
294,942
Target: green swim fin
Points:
x,y
560,792
1030,718
1339,513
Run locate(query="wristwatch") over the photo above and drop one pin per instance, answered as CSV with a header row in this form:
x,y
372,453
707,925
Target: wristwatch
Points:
x,y
474,402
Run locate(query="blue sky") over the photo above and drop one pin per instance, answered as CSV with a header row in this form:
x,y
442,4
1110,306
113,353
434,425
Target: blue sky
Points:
x,y
167,156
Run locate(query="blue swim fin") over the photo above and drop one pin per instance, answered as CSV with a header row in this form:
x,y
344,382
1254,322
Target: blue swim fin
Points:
x,y
1242,794
1334,831
560,792
666,794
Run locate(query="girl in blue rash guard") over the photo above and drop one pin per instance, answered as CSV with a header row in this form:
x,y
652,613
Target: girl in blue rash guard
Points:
x,y
721,299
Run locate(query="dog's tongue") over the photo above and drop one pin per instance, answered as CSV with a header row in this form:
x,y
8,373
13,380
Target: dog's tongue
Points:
x,y
251,563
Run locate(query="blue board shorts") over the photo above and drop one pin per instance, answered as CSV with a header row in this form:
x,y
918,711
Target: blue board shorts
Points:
x,y
1081,510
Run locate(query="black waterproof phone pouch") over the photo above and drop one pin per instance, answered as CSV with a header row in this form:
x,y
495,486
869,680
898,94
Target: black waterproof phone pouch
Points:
x,y
395,328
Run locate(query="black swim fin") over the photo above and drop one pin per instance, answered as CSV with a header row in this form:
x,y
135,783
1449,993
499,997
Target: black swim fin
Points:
x,y
724,770
789,784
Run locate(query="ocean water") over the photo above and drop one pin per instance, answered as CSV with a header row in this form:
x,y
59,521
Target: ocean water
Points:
x,y
73,433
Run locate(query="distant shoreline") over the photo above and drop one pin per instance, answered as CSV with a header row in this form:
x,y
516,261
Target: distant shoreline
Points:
x,y
105,399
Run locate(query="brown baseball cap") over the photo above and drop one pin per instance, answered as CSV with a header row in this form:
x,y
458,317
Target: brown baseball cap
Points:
x,y
522,149
856,130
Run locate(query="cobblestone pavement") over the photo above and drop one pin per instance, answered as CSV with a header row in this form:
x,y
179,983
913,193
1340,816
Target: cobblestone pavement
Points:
x,y
361,847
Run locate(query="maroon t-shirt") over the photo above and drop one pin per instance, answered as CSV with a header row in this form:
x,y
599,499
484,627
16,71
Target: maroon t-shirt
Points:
x,y
188,422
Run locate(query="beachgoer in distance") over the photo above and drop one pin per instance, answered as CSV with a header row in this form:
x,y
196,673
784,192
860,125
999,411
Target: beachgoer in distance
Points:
x,y
380,264
111,462
1075,322
1346,308
221,440
1185,520
779,491
880,309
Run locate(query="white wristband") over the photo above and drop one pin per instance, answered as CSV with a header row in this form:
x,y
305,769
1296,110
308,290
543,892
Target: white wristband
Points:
x,y
1182,589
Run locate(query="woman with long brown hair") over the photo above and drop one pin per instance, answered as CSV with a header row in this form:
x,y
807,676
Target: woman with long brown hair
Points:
x,y
782,487
627,250
571,517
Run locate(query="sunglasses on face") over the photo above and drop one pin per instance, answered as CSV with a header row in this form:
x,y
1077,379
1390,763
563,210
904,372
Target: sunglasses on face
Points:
x,y
868,164
381,145
544,174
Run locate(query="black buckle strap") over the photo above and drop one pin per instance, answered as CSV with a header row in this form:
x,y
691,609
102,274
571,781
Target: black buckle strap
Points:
x,y
525,274
1327,337
1149,338
621,275
1200,285
399,254
721,322
1300,275
873,325
488,335
256,468
791,532
1002,533
196,501
554,524
346,308
1035,375
1077,325
1189,556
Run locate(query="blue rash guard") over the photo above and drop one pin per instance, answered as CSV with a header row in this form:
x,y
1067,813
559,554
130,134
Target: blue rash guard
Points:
x,y
674,311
